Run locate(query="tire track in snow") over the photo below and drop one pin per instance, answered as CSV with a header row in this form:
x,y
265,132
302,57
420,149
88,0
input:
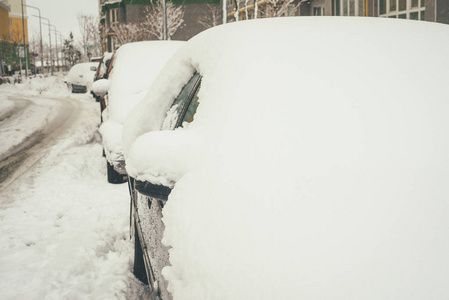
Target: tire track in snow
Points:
x,y
25,155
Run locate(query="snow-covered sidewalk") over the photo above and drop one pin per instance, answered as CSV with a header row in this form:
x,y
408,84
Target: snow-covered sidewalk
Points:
x,y
64,231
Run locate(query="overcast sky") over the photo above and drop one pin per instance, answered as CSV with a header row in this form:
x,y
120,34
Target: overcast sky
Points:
x,y
62,14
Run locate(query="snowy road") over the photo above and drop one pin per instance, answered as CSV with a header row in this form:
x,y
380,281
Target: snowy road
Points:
x,y
64,231
34,144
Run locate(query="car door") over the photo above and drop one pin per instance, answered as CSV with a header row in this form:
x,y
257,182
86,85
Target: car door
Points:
x,y
147,202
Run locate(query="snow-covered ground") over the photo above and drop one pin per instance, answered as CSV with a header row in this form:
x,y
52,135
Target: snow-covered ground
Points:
x,y
64,231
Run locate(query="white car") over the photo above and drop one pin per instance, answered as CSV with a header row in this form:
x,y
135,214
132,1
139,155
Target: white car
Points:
x,y
131,73
81,76
295,158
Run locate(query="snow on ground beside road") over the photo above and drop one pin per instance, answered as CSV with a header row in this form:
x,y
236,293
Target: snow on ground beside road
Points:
x,y
6,106
64,231
33,117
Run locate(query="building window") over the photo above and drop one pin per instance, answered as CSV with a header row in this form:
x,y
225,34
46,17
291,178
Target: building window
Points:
x,y
402,9
113,15
318,11
351,7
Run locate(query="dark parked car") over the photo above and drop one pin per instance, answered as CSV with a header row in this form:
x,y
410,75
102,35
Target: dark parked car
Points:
x,y
295,158
130,74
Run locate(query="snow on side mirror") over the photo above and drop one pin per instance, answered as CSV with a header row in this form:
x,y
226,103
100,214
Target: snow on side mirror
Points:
x,y
100,87
160,158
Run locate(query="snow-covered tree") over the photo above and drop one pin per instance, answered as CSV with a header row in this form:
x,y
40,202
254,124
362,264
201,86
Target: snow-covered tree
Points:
x,y
280,8
71,54
153,22
90,34
212,18
131,32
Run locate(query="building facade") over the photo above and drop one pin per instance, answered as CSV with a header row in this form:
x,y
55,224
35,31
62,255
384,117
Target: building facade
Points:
x,y
423,10
116,12
12,29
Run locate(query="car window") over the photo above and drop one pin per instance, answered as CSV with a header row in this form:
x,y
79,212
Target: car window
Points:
x,y
184,105
191,108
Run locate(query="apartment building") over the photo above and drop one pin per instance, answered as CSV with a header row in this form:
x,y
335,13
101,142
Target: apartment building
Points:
x,y
423,10
12,30
115,12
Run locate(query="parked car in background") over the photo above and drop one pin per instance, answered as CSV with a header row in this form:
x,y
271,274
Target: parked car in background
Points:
x,y
295,158
81,76
131,73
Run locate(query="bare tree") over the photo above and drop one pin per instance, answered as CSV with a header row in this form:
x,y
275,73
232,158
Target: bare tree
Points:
x,y
280,8
212,18
154,19
88,25
128,33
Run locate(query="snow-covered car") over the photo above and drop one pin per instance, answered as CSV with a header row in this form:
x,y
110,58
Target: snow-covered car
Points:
x,y
295,158
81,76
131,73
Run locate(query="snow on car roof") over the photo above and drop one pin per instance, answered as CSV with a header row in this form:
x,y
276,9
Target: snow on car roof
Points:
x,y
135,67
323,162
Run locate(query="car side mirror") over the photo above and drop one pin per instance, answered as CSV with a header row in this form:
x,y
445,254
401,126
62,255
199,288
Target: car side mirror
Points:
x,y
159,192
101,87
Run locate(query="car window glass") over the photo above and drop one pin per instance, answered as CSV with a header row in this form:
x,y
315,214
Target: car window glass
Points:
x,y
178,109
191,109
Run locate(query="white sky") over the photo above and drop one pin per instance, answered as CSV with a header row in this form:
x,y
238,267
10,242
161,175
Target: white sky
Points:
x,y
62,14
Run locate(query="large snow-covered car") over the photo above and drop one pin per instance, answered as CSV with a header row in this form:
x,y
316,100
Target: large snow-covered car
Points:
x,y
131,73
81,76
295,158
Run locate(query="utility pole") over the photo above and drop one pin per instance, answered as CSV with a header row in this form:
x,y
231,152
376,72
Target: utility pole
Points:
x,y
40,29
49,37
56,41
24,43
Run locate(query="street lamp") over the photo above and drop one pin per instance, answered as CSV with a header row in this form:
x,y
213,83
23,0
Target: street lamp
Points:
x,y
24,44
49,37
40,29
56,41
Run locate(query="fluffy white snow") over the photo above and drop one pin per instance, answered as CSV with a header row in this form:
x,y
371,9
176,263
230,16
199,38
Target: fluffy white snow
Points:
x,y
82,74
324,163
64,231
134,68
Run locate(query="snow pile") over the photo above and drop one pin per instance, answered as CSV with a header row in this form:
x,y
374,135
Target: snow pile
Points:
x,y
324,166
61,235
64,230
134,68
50,86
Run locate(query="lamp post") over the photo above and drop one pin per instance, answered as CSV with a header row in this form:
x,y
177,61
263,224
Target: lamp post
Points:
x,y
49,37
40,29
56,41
24,43
62,46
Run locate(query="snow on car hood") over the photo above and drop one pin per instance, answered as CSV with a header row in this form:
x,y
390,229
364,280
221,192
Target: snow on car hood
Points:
x,y
324,163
